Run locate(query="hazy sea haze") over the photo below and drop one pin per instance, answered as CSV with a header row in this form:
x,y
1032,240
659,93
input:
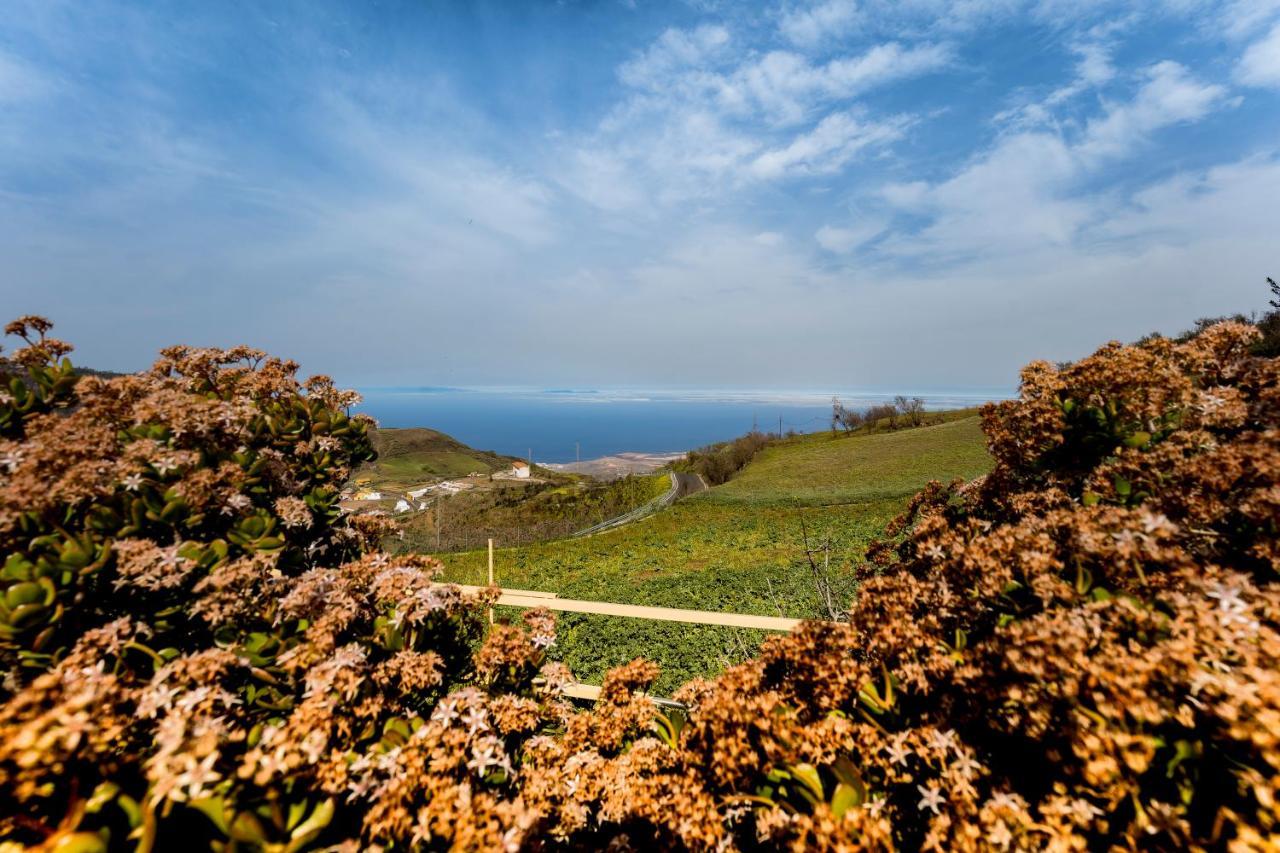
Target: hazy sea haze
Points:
x,y
547,422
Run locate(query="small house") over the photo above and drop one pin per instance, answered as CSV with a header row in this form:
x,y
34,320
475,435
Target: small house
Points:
x,y
402,505
520,469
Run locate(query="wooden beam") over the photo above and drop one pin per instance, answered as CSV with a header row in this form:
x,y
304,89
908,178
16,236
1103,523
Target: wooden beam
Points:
x,y
525,593
529,599
591,693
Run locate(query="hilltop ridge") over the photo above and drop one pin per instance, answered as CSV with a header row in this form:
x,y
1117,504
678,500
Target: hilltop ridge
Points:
x,y
417,454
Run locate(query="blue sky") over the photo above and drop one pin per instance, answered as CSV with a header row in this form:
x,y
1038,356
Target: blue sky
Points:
x,y
847,193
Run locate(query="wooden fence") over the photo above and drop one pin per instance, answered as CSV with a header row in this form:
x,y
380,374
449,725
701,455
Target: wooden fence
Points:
x,y
528,599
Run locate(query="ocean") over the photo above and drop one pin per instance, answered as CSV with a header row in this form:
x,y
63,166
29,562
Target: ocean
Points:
x,y
560,425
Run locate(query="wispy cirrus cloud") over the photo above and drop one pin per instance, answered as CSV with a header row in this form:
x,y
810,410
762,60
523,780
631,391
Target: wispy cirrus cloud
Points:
x,y
1030,189
827,147
808,26
703,115
434,194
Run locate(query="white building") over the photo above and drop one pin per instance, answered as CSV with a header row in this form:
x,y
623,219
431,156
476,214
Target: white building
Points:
x,y
520,469
402,505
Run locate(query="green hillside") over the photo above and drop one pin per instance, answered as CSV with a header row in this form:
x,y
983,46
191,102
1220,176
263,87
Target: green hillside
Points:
x,y
514,512
822,469
411,456
738,547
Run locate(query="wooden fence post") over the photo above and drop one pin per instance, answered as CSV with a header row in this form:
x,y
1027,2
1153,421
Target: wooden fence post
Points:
x,y
490,576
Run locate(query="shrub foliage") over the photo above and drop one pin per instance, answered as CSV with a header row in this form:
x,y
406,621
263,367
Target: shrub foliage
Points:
x,y
1079,651
717,463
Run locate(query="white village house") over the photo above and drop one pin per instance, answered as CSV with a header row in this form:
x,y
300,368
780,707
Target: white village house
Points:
x,y
520,469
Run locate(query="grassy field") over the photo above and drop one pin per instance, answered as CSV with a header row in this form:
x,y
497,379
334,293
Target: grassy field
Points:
x,y
823,469
738,547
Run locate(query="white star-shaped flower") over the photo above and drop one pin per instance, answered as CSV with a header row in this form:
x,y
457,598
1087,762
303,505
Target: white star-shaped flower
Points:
x,y
475,720
943,741
1005,800
930,798
966,766
898,752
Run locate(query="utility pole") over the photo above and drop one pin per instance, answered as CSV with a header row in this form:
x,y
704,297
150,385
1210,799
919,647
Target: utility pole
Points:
x,y
779,426
577,451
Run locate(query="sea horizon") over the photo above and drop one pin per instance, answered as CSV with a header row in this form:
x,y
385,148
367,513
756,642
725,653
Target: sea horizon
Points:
x,y
564,424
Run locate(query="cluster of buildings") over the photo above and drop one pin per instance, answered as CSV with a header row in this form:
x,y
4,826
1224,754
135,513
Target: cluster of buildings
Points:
x,y
419,498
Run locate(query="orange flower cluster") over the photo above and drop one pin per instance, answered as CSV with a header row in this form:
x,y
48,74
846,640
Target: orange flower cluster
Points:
x,y
1080,651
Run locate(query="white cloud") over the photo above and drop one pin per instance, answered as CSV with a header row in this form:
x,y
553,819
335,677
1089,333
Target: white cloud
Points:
x,y
1241,18
675,52
811,25
827,147
786,87
19,81
1093,69
1194,245
1260,65
366,222
910,197
1169,96
1190,207
1024,192
604,179
842,241
702,116
1008,201
436,185
882,64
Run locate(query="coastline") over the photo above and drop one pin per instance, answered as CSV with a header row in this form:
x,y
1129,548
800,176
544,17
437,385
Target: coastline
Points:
x,y
616,465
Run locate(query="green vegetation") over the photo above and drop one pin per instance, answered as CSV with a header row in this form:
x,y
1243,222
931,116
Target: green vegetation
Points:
x,y
822,468
515,512
716,463
407,457
740,547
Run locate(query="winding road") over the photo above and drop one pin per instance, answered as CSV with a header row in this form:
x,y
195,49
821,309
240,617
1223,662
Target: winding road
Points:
x,y
688,484
682,485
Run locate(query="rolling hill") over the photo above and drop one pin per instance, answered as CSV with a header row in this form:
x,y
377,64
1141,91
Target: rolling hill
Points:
x,y
821,468
411,456
738,547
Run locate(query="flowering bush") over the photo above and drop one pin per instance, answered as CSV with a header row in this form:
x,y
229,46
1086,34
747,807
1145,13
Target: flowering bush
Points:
x,y
1079,651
